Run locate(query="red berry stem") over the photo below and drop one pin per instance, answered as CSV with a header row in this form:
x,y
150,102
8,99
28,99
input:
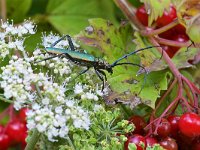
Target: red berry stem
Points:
x,y
151,32
175,43
194,90
153,115
164,96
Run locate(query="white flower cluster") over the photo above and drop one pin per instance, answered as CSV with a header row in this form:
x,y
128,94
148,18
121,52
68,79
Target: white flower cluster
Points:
x,y
48,103
48,40
48,115
52,111
56,121
12,37
26,28
16,81
86,92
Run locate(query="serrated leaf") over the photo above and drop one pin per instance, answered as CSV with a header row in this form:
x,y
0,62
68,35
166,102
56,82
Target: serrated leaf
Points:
x,y
183,55
71,16
180,59
187,9
17,9
149,56
155,8
106,37
125,78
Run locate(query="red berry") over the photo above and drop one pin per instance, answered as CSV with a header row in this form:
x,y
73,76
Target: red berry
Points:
x,y
22,114
15,130
167,17
179,29
23,142
4,141
150,141
180,38
170,50
164,128
142,15
169,144
196,146
173,120
139,123
136,139
189,124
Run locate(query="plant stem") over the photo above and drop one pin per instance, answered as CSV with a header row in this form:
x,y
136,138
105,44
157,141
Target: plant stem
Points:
x,y
70,143
3,10
175,43
33,140
164,95
167,59
6,100
150,32
129,12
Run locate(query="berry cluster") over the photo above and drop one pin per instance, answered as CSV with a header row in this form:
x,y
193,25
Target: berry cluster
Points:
x,y
14,132
177,33
173,133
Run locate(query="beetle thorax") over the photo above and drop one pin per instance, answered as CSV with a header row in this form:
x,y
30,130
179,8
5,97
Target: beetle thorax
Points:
x,y
102,64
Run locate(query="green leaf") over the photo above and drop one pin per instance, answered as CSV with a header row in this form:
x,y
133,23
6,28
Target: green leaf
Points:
x,y
193,29
180,59
132,146
114,43
17,9
71,16
105,36
183,55
149,56
156,8
155,147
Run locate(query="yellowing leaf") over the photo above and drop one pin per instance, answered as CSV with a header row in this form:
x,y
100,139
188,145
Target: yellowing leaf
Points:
x,y
187,10
189,15
193,29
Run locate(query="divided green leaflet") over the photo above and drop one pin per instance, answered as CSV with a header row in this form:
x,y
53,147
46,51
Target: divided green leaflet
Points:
x,y
126,78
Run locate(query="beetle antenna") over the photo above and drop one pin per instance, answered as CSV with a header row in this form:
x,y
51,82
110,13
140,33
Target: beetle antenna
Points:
x,y
192,43
132,53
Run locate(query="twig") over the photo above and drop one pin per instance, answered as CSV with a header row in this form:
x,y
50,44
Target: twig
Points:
x,y
150,32
3,10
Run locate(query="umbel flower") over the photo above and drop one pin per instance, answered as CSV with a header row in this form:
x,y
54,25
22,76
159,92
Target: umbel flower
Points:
x,y
54,102
60,108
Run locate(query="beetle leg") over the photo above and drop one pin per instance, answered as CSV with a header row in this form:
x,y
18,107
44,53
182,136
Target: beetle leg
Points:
x,y
99,74
103,73
71,45
56,42
48,58
82,72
